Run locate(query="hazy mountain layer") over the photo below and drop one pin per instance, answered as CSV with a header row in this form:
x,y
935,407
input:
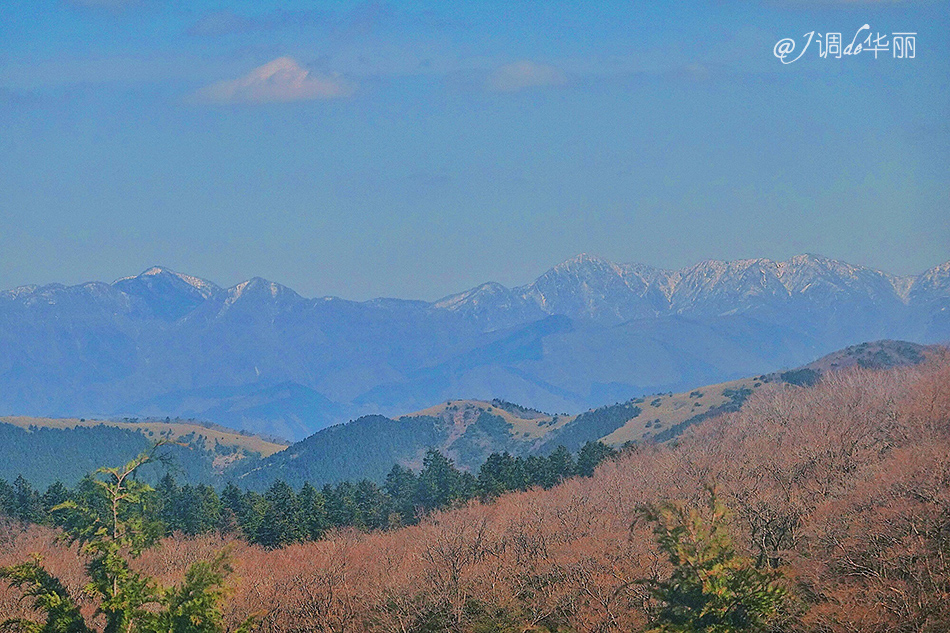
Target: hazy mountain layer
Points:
x,y
467,431
258,356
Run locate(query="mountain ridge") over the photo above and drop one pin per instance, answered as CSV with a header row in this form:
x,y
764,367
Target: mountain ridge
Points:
x,y
648,277
164,343
466,430
681,288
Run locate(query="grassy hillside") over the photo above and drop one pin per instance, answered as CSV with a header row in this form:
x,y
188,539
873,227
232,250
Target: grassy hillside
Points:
x,y
661,416
874,355
44,450
470,430
465,430
870,446
207,434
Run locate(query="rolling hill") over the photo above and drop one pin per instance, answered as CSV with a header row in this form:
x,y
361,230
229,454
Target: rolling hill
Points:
x,y
469,430
259,357
44,450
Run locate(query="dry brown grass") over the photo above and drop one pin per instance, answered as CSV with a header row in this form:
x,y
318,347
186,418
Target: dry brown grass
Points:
x,y
845,486
213,434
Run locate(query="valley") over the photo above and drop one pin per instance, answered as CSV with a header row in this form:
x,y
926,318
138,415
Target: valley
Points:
x,y
763,488
258,357
467,431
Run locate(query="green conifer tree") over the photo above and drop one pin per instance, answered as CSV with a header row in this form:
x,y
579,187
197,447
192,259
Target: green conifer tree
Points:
x,y
712,588
401,487
560,466
55,494
112,522
282,518
313,512
590,456
29,504
441,483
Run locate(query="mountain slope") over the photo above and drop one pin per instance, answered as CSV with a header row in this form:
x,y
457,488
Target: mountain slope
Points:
x,y
45,450
470,430
260,357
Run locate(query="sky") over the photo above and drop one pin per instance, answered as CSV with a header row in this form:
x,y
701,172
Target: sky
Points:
x,y
416,149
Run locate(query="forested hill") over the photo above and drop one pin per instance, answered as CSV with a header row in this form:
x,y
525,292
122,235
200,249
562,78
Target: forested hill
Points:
x,y
280,515
744,509
45,450
467,431
260,357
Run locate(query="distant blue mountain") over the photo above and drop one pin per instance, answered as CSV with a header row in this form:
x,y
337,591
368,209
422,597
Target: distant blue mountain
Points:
x,y
260,357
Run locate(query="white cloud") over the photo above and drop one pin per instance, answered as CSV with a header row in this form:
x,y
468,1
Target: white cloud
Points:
x,y
524,75
281,80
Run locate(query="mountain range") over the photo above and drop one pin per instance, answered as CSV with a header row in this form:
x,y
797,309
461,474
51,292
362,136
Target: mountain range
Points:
x,y
260,357
467,431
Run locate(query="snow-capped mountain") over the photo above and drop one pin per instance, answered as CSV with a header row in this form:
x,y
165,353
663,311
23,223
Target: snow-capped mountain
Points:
x,y
589,331
167,294
592,288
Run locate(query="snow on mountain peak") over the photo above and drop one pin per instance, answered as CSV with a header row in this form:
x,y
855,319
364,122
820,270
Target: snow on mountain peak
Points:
x,y
584,287
934,283
258,286
204,287
487,291
591,287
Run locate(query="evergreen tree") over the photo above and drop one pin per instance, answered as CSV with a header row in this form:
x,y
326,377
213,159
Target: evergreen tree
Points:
x,y
712,589
166,503
116,527
195,605
560,466
590,456
28,503
499,474
313,512
87,494
282,518
468,486
373,505
340,504
252,519
197,509
536,471
55,494
401,487
7,502
441,483
49,596
232,509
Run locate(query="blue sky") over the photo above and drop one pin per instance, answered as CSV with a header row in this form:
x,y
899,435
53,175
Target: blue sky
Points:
x,y
415,149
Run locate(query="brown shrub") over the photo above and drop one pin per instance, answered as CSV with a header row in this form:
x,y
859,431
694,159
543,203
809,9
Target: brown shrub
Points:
x,y
844,486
